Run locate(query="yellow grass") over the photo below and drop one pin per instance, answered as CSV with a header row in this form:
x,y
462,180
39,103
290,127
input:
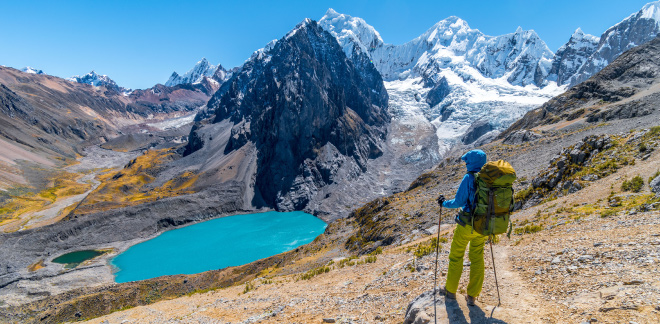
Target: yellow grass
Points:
x,y
63,184
36,266
130,185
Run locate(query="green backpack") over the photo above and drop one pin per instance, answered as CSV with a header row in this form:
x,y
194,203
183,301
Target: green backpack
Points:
x,y
493,198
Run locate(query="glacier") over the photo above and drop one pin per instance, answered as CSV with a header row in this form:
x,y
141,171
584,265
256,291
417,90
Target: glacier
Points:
x,y
452,75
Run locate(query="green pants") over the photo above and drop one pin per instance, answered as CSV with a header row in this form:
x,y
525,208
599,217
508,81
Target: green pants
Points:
x,y
463,236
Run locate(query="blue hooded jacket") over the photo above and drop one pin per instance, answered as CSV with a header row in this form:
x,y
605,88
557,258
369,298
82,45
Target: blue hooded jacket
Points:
x,y
474,160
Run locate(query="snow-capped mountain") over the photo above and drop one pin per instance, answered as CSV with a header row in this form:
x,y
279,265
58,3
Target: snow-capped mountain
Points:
x,y
517,56
453,75
572,55
99,80
635,30
31,70
201,69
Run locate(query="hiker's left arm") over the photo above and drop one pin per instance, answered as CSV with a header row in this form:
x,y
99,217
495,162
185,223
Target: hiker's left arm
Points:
x,y
461,195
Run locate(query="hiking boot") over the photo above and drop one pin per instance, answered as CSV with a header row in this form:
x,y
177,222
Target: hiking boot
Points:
x,y
471,301
443,291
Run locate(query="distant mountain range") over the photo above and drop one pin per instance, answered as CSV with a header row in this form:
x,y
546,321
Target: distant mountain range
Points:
x,y
97,80
457,77
203,69
31,70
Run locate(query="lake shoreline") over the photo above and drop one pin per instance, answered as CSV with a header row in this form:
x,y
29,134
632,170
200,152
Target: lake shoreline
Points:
x,y
53,279
250,238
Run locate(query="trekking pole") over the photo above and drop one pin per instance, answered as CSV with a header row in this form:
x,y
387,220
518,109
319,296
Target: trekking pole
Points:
x,y
492,255
435,277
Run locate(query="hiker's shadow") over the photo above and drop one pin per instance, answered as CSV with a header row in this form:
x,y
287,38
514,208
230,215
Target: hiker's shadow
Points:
x,y
477,316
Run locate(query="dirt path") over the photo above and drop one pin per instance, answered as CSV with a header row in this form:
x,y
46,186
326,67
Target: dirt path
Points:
x,y
519,303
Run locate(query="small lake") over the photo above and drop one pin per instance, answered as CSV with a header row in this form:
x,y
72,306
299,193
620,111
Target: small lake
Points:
x,y
216,244
73,259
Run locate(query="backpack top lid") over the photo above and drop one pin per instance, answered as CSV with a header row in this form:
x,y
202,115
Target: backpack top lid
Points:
x,y
498,174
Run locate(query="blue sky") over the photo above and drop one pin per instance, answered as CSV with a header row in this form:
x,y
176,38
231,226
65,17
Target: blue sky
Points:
x,y
139,43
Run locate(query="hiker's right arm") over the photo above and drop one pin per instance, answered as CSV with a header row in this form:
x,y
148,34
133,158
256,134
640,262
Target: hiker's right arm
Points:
x,y
461,195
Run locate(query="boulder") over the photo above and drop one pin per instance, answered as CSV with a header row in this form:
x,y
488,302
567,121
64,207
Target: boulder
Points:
x,y
655,185
415,312
476,130
438,92
520,137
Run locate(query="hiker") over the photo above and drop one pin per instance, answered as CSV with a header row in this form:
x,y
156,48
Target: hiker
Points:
x,y
464,234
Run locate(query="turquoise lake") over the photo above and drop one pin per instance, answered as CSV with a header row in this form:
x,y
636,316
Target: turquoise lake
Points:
x,y
216,244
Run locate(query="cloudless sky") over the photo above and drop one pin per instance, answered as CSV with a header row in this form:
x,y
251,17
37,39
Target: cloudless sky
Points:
x,y
139,43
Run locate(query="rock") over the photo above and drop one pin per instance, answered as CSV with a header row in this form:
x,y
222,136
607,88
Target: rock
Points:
x,y
421,268
655,185
422,318
431,230
597,244
575,187
476,130
586,258
578,156
415,312
520,137
633,282
329,320
438,92
556,260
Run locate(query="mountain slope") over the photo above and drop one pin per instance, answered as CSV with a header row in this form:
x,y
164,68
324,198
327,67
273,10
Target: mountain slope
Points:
x,y
626,88
46,119
635,30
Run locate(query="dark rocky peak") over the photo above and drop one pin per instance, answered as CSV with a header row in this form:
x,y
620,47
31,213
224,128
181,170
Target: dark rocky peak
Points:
x,y
309,52
295,99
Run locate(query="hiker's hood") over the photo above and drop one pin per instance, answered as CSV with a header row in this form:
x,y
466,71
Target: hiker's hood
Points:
x,y
474,160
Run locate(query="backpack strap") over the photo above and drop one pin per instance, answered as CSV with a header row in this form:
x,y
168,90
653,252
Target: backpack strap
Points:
x,y
473,202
